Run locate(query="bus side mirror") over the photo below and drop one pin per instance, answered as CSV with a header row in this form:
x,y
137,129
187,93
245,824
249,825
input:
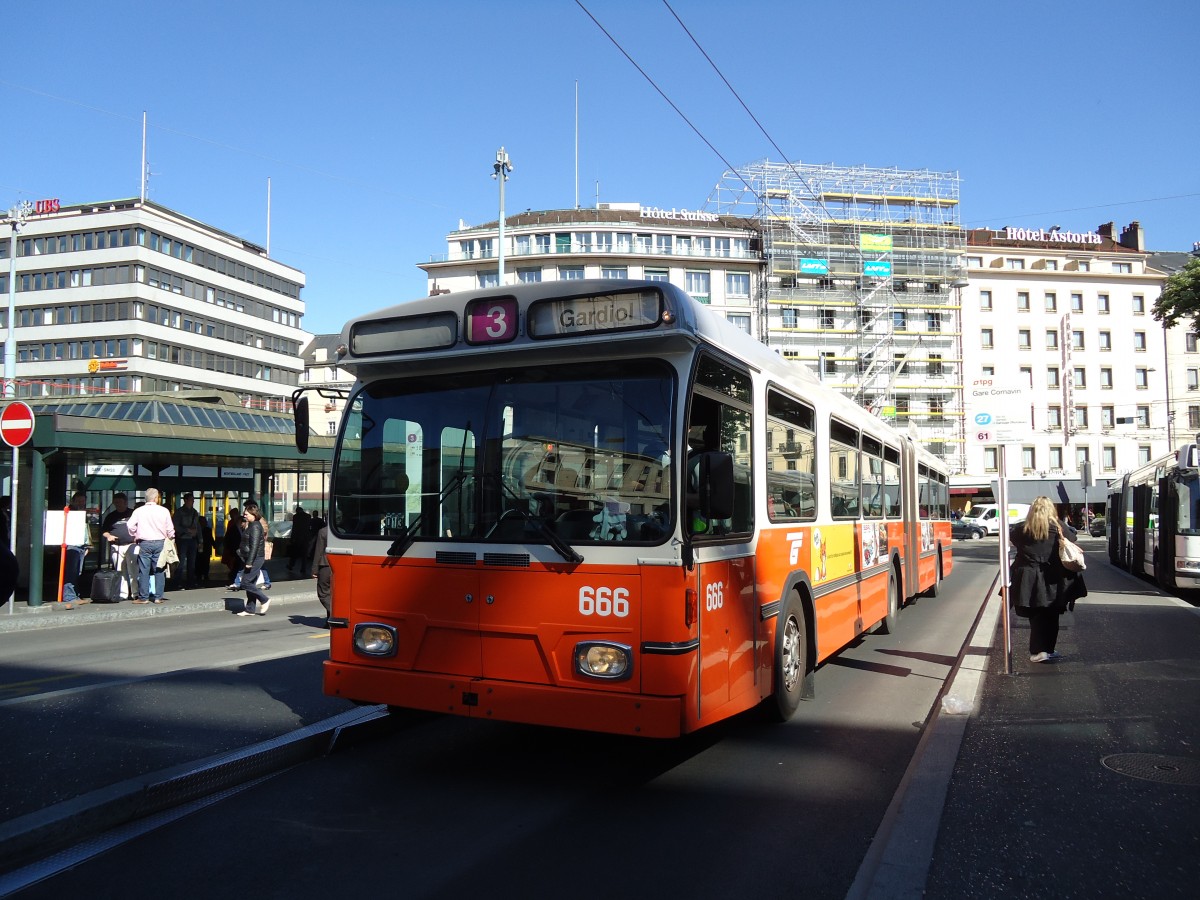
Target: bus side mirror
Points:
x,y
716,485
300,415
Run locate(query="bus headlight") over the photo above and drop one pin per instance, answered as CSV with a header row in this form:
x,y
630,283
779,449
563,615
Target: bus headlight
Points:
x,y
373,639
600,659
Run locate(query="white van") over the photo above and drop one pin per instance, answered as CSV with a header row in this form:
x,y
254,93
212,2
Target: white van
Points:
x,y
987,515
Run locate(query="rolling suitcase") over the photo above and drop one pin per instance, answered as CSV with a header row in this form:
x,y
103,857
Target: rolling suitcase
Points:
x,y
106,586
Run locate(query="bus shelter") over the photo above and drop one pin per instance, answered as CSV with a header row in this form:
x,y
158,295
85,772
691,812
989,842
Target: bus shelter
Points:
x,y
205,442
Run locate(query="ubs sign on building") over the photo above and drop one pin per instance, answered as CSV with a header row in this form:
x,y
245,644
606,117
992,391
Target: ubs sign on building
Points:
x,y
1069,313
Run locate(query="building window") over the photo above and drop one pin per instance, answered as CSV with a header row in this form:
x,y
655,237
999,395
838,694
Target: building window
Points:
x,y
1105,340
1052,376
1023,301
828,364
489,279
1143,454
1190,342
1028,459
1027,374
656,275
741,321
1056,458
990,459
570,273
1108,457
1080,376
1051,302
827,318
614,272
985,338
737,285
1142,417
1139,305
529,276
1193,414
1054,417
1012,263
1083,265
699,284
900,320
1106,381
1024,339
1123,268
1081,418
1141,379
974,262
985,299
988,372
1139,341
933,322
1102,305
935,364
1051,338
1193,379
1077,340
788,317
1082,457
1108,417
663,243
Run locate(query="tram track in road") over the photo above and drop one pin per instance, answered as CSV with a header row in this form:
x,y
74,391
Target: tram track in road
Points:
x,y
40,845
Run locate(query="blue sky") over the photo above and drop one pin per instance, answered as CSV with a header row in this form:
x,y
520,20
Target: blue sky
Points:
x,y
377,122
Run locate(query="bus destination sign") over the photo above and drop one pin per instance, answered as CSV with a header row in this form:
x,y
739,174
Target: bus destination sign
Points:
x,y
587,315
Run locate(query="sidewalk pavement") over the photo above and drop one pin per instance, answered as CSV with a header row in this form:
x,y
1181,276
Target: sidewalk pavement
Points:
x,y
1080,778
17,614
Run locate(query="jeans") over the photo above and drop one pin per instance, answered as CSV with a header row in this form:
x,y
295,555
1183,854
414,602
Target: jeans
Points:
x,y
148,552
72,569
186,574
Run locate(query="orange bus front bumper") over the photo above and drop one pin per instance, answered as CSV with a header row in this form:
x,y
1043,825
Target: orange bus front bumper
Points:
x,y
506,701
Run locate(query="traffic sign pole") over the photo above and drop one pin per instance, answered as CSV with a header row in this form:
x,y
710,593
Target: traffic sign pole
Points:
x,y
16,429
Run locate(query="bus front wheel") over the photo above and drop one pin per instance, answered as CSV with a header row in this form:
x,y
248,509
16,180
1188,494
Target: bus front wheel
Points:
x,y
791,660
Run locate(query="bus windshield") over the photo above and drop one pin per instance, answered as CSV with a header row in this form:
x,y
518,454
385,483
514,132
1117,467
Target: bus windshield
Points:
x,y
549,454
1188,491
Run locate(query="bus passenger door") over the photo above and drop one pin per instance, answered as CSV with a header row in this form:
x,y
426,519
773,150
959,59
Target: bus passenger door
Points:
x,y
727,620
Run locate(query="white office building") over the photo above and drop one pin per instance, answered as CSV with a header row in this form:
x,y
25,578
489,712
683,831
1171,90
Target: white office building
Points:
x,y
128,295
1069,315
716,259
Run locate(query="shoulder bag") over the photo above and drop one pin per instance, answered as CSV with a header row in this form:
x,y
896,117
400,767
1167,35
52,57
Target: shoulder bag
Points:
x,y
1070,555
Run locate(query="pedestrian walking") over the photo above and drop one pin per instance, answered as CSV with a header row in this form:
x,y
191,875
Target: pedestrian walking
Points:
x,y
253,553
230,541
322,572
150,526
1041,587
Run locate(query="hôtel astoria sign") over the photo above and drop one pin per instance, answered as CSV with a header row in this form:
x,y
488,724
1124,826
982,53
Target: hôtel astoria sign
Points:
x,y
1042,236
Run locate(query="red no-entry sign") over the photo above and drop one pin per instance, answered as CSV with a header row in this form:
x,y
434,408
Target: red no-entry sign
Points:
x,y
16,424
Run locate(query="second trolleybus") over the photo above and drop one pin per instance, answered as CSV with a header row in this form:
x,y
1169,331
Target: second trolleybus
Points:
x,y
1153,520
598,505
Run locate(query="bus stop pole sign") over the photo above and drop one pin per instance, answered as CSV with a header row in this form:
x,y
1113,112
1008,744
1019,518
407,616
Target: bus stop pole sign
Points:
x,y
999,414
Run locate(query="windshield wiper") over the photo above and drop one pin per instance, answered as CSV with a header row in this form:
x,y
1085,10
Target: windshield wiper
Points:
x,y
556,543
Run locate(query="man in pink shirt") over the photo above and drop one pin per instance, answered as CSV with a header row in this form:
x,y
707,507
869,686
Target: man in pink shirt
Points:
x,y
150,526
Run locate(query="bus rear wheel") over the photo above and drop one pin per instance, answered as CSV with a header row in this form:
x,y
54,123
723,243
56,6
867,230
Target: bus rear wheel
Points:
x,y
888,624
791,660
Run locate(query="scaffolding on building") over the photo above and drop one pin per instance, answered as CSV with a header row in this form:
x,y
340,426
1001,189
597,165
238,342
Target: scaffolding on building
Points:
x,y
863,275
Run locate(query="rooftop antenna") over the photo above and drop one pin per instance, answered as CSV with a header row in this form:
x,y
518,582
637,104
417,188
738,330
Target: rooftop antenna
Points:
x,y
143,173
577,143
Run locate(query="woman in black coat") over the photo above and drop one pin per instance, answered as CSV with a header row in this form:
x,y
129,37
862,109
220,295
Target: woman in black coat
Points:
x,y
1040,587
252,550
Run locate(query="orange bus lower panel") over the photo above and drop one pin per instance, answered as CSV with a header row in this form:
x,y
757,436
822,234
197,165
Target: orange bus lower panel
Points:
x,y
531,704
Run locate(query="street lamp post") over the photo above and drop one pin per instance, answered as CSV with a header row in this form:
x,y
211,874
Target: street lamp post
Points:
x,y
16,218
500,171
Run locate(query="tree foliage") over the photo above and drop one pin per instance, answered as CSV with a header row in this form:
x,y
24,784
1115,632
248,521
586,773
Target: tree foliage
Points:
x,y
1180,298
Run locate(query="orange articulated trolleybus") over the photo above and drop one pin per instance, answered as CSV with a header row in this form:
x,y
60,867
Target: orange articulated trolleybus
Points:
x,y
598,505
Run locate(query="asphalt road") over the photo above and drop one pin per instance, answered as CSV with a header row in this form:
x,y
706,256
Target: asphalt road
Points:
x,y
447,807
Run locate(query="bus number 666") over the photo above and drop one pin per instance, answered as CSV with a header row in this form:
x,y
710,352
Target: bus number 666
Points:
x,y
603,601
